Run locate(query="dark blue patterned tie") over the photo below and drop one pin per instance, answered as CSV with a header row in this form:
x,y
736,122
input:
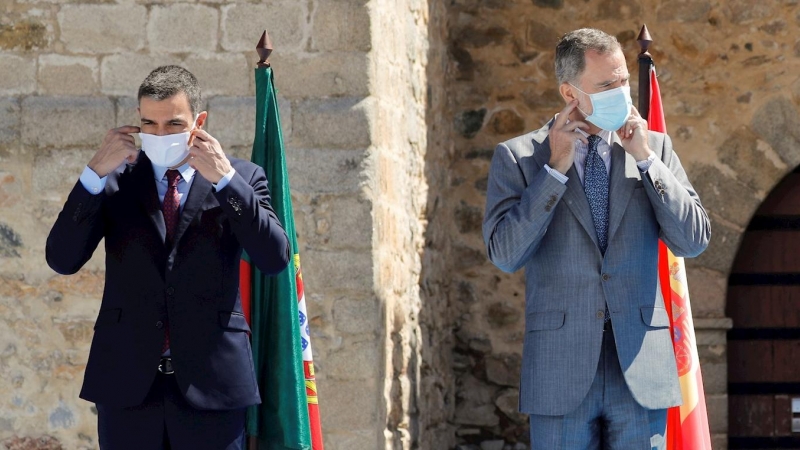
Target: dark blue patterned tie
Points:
x,y
595,184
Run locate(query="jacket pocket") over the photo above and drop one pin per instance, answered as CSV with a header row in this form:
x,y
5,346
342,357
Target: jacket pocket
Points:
x,y
548,320
107,317
655,317
232,320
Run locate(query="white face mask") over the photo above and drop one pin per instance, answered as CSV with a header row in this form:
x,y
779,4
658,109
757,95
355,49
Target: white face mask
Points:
x,y
168,150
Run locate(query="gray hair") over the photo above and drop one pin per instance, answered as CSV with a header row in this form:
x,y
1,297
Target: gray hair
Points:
x,y
571,51
165,81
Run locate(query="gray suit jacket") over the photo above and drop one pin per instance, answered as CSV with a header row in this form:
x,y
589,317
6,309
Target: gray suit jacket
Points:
x,y
534,221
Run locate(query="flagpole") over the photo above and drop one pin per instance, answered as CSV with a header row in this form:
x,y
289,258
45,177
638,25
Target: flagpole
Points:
x,y
264,49
645,62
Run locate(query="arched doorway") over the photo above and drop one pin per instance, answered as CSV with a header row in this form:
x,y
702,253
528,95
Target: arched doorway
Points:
x,y
764,344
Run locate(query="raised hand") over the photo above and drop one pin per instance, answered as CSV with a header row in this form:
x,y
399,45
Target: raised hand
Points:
x,y
634,136
562,138
207,157
118,147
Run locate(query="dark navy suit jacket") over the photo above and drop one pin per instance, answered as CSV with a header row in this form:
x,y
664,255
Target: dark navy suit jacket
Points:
x,y
191,285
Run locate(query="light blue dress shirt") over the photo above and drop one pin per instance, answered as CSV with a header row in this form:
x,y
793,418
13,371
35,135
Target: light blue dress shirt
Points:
x,y
95,185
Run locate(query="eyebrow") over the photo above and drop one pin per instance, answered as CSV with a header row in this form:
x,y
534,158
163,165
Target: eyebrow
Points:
x,y
175,120
608,82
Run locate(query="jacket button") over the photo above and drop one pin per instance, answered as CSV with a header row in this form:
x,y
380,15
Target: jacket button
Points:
x,y
606,277
159,324
170,290
600,314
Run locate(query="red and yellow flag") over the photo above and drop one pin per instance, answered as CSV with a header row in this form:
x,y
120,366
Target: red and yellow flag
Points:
x,y
687,425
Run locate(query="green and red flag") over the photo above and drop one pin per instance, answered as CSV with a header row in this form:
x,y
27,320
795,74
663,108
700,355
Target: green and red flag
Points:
x,y
687,425
288,417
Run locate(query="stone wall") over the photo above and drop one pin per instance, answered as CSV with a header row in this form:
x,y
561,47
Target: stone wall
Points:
x,y
352,83
728,72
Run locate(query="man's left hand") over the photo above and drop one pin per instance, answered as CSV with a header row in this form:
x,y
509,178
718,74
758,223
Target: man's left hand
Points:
x,y
634,136
207,157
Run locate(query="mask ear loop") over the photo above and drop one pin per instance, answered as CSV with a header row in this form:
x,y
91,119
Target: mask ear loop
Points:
x,y
590,99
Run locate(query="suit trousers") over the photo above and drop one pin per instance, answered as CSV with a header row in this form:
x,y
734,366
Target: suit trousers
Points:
x,y
165,421
609,418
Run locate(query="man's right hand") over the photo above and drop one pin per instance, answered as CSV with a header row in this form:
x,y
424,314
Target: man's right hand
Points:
x,y
118,146
562,139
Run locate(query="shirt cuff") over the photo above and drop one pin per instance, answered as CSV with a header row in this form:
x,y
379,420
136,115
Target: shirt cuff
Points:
x,y
224,181
556,174
92,182
644,165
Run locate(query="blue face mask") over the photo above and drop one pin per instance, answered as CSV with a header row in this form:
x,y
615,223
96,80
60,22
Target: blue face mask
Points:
x,y
610,109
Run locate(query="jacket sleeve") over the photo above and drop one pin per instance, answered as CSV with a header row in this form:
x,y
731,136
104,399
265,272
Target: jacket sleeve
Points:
x,y
684,223
254,222
518,212
76,232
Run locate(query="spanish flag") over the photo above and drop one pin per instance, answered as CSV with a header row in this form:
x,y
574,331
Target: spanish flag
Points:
x,y
687,425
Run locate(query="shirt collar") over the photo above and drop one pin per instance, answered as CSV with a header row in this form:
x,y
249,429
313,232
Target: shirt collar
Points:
x,y
185,169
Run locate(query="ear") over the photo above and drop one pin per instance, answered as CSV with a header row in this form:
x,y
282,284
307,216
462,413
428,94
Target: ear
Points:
x,y
568,93
201,119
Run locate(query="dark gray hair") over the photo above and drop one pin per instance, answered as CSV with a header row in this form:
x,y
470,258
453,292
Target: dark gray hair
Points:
x,y
166,81
571,51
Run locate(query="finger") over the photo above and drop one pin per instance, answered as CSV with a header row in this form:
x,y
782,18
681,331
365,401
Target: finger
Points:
x,y
127,129
635,112
202,135
126,138
581,138
563,115
572,126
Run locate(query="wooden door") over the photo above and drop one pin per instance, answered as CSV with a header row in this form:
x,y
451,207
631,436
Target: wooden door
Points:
x,y
764,344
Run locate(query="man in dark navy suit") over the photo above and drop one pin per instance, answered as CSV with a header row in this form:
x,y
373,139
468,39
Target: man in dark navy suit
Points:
x,y
170,365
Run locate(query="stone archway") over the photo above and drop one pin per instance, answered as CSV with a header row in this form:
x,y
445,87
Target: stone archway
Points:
x,y
764,343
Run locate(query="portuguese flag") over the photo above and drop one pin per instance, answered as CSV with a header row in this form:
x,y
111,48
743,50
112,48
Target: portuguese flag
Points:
x,y
288,417
687,425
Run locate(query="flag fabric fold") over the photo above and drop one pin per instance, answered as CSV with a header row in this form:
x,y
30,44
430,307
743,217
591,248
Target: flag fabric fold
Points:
x,y
275,307
687,425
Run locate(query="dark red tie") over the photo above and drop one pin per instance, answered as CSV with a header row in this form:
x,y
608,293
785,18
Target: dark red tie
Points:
x,y
171,208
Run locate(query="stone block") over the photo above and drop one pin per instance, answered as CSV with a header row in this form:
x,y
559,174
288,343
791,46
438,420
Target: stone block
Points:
x,y
66,121
231,120
742,153
341,25
9,120
331,123
340,269
715,378
778,123
504,369
324,74
58,170
326,171
221,74
480,416
352,315
708,291
183,28
242,25
343,222
17,74
122,74
717,406
351,440
724,196
684,11
68,75
351,406
103,28
356,361
25,35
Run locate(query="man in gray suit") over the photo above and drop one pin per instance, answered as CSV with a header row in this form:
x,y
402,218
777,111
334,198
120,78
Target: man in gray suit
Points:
x,y
581,204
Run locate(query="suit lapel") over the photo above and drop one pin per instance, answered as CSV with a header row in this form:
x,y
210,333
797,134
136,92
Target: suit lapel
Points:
x,y
625,176
574,196
145,184
197,196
